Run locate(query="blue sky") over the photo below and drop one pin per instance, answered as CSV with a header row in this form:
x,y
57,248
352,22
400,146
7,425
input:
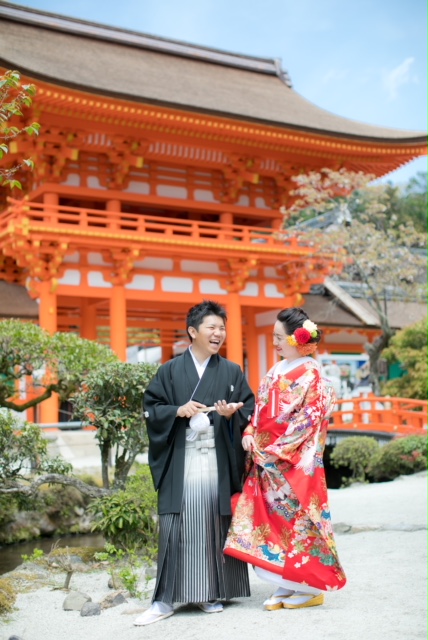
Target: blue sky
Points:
x,y
364,60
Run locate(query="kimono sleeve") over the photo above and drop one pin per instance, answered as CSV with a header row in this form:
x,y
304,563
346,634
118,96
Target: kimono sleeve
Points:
x,y
243,394
161,420
299,442
159,411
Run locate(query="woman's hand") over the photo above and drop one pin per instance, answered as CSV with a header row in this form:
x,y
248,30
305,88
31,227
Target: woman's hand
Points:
x,y
227,409
248,443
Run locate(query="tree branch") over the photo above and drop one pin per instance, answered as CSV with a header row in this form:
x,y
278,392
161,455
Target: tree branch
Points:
x,y
26,405
55,478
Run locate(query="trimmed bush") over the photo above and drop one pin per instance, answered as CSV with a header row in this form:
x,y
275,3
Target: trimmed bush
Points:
x,y
354,453
127,518
400,457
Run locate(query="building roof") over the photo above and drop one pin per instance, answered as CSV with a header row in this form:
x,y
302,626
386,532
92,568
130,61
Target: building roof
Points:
x,y
329,311
15,302
324,309
134,66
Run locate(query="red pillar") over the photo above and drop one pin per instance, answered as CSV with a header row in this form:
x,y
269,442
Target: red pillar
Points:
x,y
226,218
48,321
272,356
88,312
118,337
252,343
234,346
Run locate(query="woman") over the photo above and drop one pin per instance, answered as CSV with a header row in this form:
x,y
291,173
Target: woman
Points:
x,y
281,521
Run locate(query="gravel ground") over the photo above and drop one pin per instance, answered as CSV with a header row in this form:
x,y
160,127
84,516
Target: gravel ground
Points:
x,y
382,545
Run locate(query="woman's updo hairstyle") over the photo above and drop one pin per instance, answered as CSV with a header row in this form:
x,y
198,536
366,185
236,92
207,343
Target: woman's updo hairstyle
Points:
x,y
292,320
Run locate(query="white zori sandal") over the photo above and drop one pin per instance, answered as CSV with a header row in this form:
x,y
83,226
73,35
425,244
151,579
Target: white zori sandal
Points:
x,y
274,602
158,611
210,607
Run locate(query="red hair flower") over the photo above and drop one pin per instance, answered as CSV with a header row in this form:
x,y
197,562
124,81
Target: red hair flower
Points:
x,y
302,336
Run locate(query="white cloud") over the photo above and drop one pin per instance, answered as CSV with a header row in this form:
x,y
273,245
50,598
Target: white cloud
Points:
x,y
394,79
335,75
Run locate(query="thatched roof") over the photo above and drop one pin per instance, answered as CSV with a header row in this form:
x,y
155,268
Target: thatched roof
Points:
x,y
15,302
134,66
329,311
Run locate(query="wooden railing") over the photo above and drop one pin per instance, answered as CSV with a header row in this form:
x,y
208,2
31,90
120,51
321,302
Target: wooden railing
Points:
x,y
399,416
44,217
371,414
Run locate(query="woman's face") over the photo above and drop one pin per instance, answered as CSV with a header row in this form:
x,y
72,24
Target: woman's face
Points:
x,y
280,343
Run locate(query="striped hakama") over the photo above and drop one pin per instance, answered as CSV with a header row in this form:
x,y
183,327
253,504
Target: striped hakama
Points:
x,y
191,564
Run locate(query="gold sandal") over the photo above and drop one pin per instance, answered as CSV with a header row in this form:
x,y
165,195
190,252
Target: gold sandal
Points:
x,y
314,601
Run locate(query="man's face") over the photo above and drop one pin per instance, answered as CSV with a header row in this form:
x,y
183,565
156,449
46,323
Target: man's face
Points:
x,y
209,337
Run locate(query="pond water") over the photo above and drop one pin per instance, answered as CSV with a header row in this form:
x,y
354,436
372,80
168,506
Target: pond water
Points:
x,y
10,555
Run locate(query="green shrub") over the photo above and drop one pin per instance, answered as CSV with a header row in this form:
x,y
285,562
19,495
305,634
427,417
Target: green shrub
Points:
x,y
123,568
8,509
400,457
37,554
127,518
355,453
409,348
11,505
7,596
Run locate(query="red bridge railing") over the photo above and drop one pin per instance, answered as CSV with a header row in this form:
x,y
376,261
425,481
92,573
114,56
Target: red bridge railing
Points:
x,y
398,416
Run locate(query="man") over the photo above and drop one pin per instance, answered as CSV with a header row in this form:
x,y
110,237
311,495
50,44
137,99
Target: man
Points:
x,y
196,408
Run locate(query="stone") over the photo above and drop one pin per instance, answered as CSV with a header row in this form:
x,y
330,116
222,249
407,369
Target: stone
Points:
x,y
114,584
90,609
75,601
113,599
14,638
362,528
46,526
342,527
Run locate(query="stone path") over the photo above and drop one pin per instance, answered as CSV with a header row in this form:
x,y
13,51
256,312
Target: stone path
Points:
x,y
382,544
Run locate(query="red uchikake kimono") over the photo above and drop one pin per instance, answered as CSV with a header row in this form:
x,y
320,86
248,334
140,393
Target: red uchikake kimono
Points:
x,y
281,520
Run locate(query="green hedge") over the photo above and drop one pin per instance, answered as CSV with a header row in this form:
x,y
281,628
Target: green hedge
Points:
x,y
400,457
355,454
369,462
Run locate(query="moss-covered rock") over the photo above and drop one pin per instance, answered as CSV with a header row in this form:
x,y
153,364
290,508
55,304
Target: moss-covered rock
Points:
x,y
86,554
7,596
54,511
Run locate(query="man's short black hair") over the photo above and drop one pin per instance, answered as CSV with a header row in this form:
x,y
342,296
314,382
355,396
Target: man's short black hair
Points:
x,y
196,314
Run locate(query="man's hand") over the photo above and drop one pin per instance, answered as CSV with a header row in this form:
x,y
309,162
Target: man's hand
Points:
x,y
189,409
227,409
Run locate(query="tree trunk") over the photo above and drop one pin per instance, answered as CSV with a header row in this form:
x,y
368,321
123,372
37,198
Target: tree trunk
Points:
x,y
105,455
123,465
67,579
374,349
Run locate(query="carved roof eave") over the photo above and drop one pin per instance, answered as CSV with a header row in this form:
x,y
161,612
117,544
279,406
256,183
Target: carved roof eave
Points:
x,y
61,101
87,102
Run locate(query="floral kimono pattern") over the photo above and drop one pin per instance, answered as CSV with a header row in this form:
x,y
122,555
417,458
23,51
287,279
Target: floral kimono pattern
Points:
x,y
281,520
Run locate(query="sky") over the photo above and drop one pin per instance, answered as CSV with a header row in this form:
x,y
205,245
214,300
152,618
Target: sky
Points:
x,y
364,60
